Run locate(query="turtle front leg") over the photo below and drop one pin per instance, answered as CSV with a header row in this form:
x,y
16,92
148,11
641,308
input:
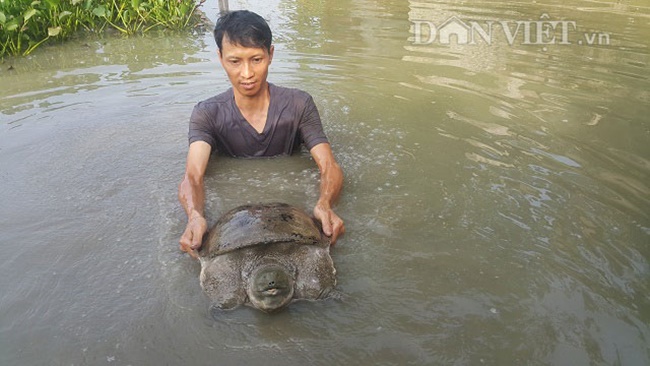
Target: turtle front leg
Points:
x,y
221,280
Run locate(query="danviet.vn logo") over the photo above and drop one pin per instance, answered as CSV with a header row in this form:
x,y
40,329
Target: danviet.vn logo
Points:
x,y
525,32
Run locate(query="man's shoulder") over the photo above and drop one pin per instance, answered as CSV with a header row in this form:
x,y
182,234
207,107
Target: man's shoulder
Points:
x,y
289,93
215,101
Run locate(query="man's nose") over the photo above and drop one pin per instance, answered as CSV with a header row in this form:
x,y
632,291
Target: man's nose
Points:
x,y
247,70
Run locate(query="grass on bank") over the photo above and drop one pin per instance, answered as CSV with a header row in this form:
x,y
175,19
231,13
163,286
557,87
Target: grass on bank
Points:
x,y
26,24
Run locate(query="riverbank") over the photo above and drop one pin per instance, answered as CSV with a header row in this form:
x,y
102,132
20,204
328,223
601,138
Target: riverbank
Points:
x,y
25,25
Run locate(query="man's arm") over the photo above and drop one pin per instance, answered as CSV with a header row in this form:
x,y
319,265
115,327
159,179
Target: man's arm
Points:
x,y
331,183
191,194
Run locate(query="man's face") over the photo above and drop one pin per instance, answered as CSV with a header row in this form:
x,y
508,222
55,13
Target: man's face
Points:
x,y
247,67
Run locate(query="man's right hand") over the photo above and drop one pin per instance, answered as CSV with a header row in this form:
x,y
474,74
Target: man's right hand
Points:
x,y
192,197
193,236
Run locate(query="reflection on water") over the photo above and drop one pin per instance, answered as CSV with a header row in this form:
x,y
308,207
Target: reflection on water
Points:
x,y
496,196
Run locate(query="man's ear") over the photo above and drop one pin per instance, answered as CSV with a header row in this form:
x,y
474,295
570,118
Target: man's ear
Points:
x,y
271,49
220,57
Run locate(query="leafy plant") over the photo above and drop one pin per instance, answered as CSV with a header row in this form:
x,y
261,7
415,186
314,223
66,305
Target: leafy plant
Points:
x,y
26,24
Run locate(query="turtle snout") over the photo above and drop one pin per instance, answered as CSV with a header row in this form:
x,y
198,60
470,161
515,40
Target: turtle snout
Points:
x,y
271,287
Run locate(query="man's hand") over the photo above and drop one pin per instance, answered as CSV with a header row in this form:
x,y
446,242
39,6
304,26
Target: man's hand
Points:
x,y
192,197
331,182
332,224
193,236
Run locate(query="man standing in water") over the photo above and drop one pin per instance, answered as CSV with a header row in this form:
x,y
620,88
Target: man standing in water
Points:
x,y
253,119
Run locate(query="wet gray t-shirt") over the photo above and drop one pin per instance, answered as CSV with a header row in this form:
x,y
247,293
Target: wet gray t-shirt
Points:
x,y
292,118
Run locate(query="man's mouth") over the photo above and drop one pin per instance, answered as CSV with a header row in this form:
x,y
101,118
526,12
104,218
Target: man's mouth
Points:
x,y
247,84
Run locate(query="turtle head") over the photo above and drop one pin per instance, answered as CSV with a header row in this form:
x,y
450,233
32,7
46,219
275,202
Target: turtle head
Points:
x,y
270,287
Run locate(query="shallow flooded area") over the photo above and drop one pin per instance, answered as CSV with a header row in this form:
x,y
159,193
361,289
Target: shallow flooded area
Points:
x,y
496,189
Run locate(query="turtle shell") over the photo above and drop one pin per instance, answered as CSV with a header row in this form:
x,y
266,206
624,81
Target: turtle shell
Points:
x,y
257,224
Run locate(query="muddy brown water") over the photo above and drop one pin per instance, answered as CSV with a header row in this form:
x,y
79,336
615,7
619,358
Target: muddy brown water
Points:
x,y
496,194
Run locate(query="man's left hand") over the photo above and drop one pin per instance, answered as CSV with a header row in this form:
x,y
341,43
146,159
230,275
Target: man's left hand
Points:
x,y
332,224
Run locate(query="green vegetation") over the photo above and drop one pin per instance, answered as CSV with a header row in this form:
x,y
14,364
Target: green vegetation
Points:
x,y
26,24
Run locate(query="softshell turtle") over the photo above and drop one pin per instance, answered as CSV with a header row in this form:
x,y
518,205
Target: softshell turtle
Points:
x,y
266,256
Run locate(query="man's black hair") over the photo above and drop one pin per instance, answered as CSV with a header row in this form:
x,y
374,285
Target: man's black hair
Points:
x,y
243,28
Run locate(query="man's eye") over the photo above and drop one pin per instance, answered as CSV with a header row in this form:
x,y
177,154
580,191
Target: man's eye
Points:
x,y
234,62
257,60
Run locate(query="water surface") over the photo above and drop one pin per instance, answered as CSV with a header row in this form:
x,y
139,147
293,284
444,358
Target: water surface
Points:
x,y
496,195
